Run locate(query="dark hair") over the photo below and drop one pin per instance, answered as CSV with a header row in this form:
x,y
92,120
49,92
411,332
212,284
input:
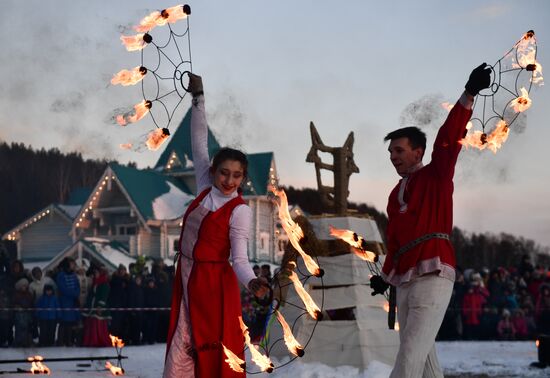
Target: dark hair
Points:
x,y
417,138
227,153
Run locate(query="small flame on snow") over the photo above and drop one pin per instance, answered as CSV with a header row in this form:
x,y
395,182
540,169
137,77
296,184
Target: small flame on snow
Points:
x,y
37,367
234,362
115,370
291,343
294,231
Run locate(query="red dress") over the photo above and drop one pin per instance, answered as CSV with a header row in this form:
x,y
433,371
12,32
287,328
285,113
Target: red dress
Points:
x,y
206,297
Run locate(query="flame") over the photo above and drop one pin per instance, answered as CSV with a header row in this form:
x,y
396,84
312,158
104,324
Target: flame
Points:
x,y
521,103
129,77
156,138
259,359
526,52
125,146
141,110
235,363
115,370
294,231
291,343
37,367
311,307
396,326
492,141
116,342
136,42
537,343
168,15
356,241
386,307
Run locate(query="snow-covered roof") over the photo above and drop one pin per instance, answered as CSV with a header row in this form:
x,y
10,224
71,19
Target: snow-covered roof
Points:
x,y
171,205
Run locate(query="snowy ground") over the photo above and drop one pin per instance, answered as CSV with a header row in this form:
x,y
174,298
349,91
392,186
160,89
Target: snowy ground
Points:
x,y
458,359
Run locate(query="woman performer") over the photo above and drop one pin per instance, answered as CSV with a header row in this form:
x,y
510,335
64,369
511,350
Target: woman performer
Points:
x,y
206,301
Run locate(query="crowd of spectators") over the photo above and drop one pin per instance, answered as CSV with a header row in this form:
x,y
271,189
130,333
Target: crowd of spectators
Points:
x,y
510,303
74,305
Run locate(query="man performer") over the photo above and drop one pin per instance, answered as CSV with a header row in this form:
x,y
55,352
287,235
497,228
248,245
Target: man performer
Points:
x,y
421,260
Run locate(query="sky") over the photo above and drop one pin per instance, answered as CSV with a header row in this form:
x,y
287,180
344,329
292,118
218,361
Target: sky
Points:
x,y
271,68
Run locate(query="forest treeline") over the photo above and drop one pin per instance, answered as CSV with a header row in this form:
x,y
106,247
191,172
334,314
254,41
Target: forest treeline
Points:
x,y
32,179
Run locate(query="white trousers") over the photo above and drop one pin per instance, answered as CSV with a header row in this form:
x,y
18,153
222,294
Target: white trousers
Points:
x,y
421,306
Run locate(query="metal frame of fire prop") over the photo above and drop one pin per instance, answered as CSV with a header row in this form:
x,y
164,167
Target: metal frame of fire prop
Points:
x,y
175,78
520,59
38,363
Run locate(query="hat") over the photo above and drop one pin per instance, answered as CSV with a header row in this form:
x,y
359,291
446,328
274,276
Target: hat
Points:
x,y
22,283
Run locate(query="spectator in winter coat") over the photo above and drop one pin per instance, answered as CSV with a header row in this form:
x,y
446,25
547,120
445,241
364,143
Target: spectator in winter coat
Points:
x,y
47,318
23,300
136,299
96,332
69,294
471,312
496,288
542,310
151,299
118,298
39,281
489,322
520,325
6,318
511,302
505,328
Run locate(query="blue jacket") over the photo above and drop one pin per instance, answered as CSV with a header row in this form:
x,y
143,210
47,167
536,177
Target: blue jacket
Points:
x,y
69,293
47,301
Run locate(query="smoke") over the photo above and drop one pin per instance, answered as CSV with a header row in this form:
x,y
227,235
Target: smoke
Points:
x,y
228,120
426,112
73,102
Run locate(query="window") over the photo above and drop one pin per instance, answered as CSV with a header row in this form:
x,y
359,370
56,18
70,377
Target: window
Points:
x,y
126,229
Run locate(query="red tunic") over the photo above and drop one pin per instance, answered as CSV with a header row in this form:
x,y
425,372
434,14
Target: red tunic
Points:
x,y
212,292
429,209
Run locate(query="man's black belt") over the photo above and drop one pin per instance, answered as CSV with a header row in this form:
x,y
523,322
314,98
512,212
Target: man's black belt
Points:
x,y
407,247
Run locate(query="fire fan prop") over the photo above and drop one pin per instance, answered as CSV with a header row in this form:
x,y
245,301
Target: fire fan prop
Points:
x,y
162,82
513,77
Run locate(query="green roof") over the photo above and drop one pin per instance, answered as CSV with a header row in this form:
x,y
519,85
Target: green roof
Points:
x,y
180,143
143,186
258,172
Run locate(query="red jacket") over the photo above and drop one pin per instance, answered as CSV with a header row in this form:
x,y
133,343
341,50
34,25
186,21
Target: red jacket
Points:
x,y
472,307
429,198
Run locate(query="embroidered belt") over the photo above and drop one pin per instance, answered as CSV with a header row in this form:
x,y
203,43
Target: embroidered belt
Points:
x,y
407,247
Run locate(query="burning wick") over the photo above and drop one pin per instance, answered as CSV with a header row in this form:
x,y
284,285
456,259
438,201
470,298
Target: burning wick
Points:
x,y
521,103
129,77
294,232
116,342
291,343
235,363
156,138
311,307
136,42
140,109
259,359
168,15
358,244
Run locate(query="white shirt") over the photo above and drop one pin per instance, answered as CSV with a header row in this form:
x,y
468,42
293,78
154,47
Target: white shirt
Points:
x,y
241,218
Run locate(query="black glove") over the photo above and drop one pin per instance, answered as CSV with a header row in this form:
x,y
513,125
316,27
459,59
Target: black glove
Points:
x,y
378,285
479,79
195,85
